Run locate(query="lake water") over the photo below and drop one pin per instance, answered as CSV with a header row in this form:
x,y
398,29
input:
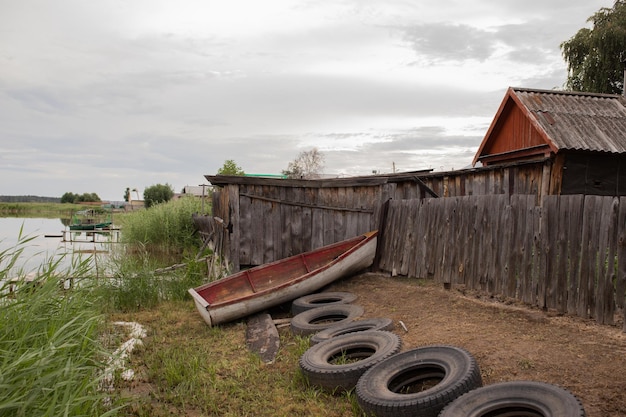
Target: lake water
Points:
x,y
51,239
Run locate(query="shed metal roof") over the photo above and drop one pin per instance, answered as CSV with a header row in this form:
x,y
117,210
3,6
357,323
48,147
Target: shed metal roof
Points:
x,y
565,120
578,121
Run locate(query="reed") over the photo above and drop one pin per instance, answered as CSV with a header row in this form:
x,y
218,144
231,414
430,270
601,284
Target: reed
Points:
x,y
160,236
50,357
165,227
136,283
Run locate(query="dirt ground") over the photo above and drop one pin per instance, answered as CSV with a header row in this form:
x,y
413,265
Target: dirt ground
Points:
x,y
509,340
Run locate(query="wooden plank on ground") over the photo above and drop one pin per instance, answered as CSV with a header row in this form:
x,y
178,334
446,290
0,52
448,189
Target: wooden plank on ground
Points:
x,y
262,337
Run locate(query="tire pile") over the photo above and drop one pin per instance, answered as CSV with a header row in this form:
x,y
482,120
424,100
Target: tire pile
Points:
x,y
432,381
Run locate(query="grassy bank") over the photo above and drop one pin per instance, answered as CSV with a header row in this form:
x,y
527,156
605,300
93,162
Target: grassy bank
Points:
x,y
188,369
55,343
64,210
50,357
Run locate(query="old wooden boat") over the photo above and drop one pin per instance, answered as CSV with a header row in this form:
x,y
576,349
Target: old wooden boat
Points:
x,y
275,283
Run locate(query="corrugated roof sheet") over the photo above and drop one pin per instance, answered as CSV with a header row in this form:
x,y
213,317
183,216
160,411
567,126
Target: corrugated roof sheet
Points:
x,y
579,121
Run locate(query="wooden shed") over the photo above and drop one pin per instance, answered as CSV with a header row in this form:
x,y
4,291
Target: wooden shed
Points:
x,y
540,143
581,138
271,218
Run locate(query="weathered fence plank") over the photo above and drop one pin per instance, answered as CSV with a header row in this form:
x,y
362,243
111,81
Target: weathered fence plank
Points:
x,y
527,240
568,254
604,299
620,282
586,259
575,250
558,282
503,244
407,246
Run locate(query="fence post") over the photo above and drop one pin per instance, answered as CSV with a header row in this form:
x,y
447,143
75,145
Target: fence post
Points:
x,y
381,234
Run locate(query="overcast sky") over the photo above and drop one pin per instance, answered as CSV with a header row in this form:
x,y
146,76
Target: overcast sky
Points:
x,y
98,96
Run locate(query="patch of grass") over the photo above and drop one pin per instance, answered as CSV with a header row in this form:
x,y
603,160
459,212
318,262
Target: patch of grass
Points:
x,y
184,367
525,364
192,369
137,284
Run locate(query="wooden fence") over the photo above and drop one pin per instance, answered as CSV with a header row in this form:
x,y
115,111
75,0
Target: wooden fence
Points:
x,y
567,254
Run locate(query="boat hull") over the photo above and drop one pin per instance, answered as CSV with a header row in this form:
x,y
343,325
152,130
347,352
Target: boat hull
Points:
x,y
352,262
90,226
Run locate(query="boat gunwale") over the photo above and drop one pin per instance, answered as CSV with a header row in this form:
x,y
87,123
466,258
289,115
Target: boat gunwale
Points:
x,y
362,240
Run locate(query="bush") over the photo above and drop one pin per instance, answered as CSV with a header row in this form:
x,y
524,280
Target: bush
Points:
x,y
156,194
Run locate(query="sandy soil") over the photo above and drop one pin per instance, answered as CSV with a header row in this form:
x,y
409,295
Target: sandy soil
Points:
x,y
509,340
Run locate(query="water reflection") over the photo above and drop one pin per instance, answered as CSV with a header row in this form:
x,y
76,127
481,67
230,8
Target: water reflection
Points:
x,y
51,239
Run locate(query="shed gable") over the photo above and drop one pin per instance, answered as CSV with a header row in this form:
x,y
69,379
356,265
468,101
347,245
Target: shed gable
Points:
x,y
540,123
514,134
513,137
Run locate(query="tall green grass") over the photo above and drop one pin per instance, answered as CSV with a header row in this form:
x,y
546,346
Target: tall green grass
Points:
x,y
50,357
136,283
160,236
165,227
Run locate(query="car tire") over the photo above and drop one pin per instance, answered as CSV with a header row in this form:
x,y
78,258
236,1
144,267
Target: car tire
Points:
x,y
321,299
352,327
420,381
320,318
526,398
336,364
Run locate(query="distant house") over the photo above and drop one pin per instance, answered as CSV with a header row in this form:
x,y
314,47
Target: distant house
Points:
x,y
195,190
581,138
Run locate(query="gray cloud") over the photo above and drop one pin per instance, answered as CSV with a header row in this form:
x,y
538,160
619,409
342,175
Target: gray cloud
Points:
x,y
100,96
450,42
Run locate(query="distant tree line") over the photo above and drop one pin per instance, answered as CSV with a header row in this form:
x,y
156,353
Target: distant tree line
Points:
x,y
307,165
70,197
28,199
